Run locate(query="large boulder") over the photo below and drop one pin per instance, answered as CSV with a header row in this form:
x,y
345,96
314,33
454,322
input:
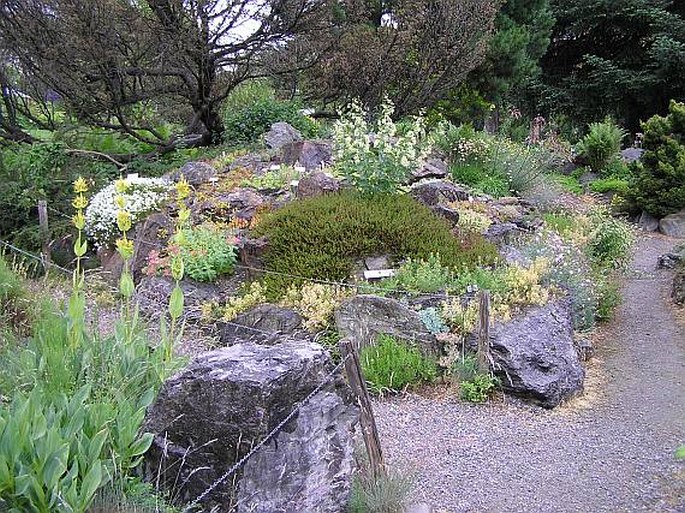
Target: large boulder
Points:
x,y
317,184
281,134
673,225
362,318
195,173
312,155
264,324
210,415
648,222
430,168
534,355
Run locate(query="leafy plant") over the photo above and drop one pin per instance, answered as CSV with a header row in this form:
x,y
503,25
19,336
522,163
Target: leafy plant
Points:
x,y
604,185
206,251
386,493
376,158
433,321
610,242
275,179
322,238
472,221
393,365
315,302
420,275
659,187
254,294
601,144
478,388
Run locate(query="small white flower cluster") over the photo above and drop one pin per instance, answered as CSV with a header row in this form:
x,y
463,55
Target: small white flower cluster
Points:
x,y
142,196
467,149
373,156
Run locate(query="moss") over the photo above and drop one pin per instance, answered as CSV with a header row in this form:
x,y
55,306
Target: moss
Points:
x,y
322,238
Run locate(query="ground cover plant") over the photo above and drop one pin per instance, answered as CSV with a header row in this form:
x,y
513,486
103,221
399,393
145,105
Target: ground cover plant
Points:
x,y
321,238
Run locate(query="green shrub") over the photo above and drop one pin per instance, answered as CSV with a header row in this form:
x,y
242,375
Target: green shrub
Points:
x,y
393,365
610,242
604,185
480,179
563,224
322,238
420,275
377,157
608,297
601,145
207,253
384,494
659,187
568,182
478,388
247,123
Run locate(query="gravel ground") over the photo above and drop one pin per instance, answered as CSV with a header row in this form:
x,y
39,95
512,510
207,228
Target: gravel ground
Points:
x,y
610,450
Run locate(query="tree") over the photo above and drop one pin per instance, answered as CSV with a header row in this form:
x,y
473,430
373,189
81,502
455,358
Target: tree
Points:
x,y
624,58
115,63
414,51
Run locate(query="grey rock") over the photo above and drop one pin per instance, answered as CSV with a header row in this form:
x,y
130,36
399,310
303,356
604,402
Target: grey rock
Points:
x,y
252,253
253,162
317,184
447,213
632,154
502,233
153,293
431,168
534,355
260,324
587,178
673,225
312,155
669,260
362,318
648,222
317,460
242,202
210,415
111,264
280,134
195,173
438,192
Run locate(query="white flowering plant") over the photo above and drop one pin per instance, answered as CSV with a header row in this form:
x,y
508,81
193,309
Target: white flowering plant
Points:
x,y
377,157
142,196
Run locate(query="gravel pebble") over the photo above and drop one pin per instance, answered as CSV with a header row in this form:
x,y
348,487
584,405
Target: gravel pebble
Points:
x,y
611,450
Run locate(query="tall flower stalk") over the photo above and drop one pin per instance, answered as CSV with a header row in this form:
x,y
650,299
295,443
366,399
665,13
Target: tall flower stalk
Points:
x,y
77,301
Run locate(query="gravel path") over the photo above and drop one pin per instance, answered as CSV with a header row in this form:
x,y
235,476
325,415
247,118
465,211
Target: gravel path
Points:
x,y
610,450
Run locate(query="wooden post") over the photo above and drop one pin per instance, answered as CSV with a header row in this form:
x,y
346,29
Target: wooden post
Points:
x,y
370,433
44,232
484,332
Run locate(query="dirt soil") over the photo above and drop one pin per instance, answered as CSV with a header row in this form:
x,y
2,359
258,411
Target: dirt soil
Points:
x,y
610,450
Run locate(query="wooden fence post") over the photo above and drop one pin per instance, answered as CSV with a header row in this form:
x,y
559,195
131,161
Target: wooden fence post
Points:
x,y
484,332
369,431
44,232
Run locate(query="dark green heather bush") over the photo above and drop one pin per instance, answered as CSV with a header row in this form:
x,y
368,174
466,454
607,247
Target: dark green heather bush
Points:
x,y
323,237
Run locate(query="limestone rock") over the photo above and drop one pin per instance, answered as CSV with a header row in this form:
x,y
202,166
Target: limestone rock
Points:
x,y
431,168
648,222
280,134
317,184
259,324
673,225
312,155
211,414
534,355
438,192
195,173
153,293
362,318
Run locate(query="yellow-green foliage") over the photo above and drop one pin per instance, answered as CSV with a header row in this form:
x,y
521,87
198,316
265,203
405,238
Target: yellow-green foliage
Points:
x,y
315,302
253,296
461,318
523,286
472,221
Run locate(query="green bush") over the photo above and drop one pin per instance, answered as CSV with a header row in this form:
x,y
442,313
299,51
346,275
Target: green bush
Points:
x,y
610,242
601,145
384,494
478,388
568,182
608,297
420,275
247,123
393,365
206,252
612,184
480,179
659,187
322,238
